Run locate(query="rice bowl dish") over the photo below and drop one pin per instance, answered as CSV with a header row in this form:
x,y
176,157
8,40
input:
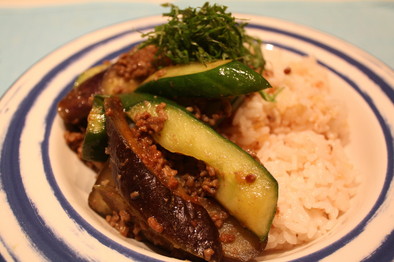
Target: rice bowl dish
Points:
x,y
270,125
146,148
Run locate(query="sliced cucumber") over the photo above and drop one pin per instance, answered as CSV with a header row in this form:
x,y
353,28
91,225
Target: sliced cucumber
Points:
x,y
95,141
216,79
89,73
246,189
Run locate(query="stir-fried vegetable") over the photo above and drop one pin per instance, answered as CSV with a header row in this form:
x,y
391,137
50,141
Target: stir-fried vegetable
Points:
x,y
209,146
201,53
216,79
247,190
171,219
95,140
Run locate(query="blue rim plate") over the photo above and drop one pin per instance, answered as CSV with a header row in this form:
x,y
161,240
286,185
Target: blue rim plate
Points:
x,y
44,188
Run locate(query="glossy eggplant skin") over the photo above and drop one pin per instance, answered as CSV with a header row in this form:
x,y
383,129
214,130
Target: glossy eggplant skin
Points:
x,y
104,198
184,224
74,108
239,244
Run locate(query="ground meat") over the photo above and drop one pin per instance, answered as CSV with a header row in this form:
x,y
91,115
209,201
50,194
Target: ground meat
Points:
x,y
198,179
208,253
134,195
210,111
138,64
195,177
146,123
287,70
250,178
156,226
74,140
152,157
219,217
227,238
120,221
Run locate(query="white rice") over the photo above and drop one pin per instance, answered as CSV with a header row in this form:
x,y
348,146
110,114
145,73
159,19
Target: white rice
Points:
x,y
300,139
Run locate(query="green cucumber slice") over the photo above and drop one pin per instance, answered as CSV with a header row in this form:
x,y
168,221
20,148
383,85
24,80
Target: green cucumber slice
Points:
x,y
246,189
89,73
217,79
95,140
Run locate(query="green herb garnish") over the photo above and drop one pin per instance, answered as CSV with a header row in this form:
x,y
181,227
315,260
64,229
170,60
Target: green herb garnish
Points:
x,y
270,97
205,34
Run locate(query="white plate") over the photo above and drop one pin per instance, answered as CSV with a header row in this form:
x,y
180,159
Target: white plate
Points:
x,y
44,188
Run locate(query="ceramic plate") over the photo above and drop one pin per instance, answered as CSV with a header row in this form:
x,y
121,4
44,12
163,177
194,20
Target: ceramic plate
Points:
x,y
44,188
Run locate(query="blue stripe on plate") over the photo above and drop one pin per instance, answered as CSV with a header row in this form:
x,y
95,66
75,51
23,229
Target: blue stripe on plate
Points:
x,y
55,249
8,251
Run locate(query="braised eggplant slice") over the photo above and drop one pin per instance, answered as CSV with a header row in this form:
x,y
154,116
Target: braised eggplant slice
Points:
x,y
183,223
75,106
246,188
104,197
238,242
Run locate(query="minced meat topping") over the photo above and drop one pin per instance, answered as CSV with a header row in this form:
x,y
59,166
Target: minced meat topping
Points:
x,y
195,178
139,63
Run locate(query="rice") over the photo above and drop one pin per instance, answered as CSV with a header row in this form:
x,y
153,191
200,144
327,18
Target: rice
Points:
x,y
300,139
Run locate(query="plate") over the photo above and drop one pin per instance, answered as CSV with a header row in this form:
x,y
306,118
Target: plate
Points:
x,y
44,188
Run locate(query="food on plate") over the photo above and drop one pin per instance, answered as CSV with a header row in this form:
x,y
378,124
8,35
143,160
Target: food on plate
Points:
x,y
172,220
301,140
203,148
214,79
246,189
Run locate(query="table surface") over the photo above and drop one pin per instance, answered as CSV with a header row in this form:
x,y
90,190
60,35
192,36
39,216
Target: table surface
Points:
x,y
32,29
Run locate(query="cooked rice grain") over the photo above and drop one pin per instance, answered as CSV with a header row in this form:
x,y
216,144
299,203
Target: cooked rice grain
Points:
x,y
300,139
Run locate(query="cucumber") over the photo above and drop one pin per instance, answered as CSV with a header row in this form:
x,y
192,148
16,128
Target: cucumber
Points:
x,y
217,79
246,189
89,73
95,140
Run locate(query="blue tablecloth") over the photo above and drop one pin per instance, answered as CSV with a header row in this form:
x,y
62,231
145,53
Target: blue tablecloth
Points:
x,y
28,33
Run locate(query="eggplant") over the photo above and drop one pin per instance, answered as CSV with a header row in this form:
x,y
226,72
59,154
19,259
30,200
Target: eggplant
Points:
x,y
131,69
238,242
104,198
246,188
74,108
123,76
90,72
182,224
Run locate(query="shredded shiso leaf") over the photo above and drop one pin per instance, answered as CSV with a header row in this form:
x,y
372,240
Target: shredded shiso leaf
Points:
x,y
205,34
